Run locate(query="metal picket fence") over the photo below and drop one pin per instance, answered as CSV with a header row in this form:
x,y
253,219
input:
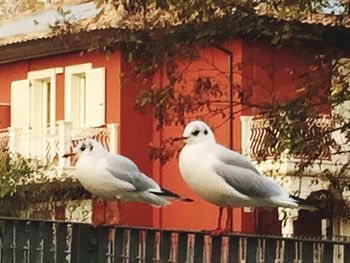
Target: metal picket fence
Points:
x,y
61,242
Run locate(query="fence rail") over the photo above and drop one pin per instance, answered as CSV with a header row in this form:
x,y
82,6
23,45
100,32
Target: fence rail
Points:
x,y
43,241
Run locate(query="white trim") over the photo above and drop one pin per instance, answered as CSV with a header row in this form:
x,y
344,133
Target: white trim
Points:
x,y
69,71
95,97
76,69
43,73
59,70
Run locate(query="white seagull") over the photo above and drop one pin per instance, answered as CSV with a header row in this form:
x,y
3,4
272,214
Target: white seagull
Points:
x,y
225,178
113,176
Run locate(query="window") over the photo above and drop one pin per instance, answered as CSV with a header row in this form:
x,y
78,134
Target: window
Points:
x,y
33,100
33,110
85,95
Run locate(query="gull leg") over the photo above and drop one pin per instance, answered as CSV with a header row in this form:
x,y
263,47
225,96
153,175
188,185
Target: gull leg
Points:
x,y
229,220
218,229
256,220
106,212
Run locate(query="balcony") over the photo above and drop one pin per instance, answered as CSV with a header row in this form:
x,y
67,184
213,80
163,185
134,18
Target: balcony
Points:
x,y
50,144
254,129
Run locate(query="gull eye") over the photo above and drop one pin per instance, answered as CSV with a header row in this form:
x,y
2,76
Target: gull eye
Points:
x,y
205,132
195,133
82,148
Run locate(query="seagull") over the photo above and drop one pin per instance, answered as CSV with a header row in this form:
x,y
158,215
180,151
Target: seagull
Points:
x,y
225,178
115,177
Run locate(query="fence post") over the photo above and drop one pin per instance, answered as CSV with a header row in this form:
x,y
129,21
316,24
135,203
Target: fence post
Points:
x,y
216,245
198,248
246,134
64,138
251,250
113,140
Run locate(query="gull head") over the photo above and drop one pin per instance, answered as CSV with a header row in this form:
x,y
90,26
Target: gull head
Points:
x,y
197,132
88,147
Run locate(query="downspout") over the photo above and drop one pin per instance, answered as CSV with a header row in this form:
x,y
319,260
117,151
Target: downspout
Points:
x,y
230,88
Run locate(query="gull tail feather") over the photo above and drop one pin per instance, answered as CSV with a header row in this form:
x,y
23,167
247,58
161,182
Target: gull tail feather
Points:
x,y
170,195
305,204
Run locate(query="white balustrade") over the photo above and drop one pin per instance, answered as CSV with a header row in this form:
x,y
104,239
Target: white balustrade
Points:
x,y
50,144
254,129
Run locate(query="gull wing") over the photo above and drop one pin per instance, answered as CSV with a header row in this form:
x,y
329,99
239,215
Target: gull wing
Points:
x,y
233,158
248,182
124,169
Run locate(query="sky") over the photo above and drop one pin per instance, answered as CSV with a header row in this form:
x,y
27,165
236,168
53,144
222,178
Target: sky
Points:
x,y
43,21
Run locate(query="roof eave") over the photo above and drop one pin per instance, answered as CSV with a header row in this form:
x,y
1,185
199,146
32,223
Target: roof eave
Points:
x,y
58,45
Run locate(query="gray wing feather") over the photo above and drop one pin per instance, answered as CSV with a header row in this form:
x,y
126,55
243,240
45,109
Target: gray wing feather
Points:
x,y
233,158
143,182
248,182
126,170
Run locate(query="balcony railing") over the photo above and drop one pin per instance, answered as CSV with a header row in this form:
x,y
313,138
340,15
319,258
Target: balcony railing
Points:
x,y
254,130
50,144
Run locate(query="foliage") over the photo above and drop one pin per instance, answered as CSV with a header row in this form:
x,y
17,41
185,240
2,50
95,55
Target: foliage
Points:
x,y
164,32
27,182
321,88
16,170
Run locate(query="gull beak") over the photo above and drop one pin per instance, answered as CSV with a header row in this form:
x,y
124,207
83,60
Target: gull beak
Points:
x,y
180,138
68,155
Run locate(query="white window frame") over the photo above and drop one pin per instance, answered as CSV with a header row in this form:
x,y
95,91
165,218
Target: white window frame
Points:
x,y
70,71
47,74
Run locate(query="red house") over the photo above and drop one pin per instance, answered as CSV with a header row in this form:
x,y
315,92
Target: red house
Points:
x,y
52,95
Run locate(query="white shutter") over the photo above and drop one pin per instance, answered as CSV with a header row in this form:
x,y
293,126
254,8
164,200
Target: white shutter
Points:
x,y
71,95
20,104
95,97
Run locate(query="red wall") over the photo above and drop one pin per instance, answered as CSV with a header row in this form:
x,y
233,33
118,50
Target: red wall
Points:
x,y
261,71
265,74
9,73
273,74
199,214
4,116
135,135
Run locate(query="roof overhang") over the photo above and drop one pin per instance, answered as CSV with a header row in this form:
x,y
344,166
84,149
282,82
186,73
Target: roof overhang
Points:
x,y
110,38
66,43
